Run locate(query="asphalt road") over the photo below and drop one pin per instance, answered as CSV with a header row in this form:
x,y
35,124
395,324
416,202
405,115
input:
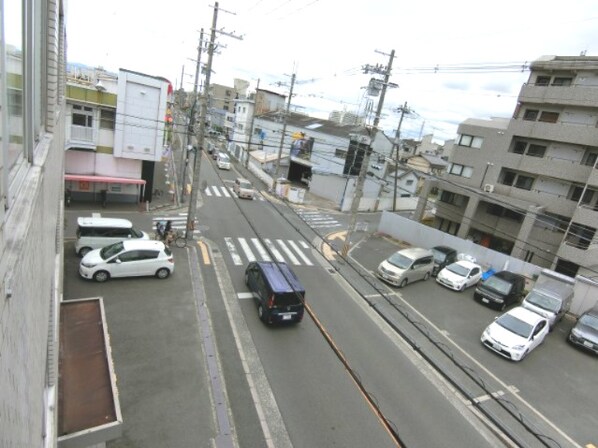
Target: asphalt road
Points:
x,y
286,386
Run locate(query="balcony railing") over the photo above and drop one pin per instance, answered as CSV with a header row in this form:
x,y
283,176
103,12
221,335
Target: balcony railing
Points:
x,y
82,134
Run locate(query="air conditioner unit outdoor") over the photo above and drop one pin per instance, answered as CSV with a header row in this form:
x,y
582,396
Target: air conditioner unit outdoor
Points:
x,y
488,188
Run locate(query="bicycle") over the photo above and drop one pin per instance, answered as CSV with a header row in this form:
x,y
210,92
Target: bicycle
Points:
x,y
176,236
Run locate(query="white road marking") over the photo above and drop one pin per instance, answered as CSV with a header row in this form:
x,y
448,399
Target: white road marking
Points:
x,y
300,253
261,249
287,251
233,251
245,246
274,250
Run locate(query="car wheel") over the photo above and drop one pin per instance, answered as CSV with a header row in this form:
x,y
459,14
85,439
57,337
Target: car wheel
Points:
x,y
261,313
403,283
101,276
162,273
427,276
83,251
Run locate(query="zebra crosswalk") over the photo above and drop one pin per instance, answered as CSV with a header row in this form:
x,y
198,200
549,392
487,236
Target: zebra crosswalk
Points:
x,y
316,219
219,191
245,250
179,222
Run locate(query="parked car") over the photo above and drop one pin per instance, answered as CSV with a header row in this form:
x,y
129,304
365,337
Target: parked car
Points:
x,y
406,266
223,161
515,333
500,290
460,275
278,293
585,332
443,256
97,232
128,259
550,298
243,188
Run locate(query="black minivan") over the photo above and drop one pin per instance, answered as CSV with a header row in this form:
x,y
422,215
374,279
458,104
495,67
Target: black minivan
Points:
x,y
443,256
501,289
279,295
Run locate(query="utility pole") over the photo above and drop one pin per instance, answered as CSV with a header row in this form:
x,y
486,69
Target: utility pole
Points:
x,y
396,146
251,124
386,71
202,125
284,126
185,155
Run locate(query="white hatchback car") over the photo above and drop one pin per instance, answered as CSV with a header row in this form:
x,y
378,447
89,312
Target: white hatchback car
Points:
x,y
460,275
128,259
515,333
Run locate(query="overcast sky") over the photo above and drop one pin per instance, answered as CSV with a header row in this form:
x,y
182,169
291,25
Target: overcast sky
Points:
x,y
449,56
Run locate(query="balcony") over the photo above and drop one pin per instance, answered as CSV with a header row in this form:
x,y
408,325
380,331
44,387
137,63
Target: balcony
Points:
x,y
586,215
582,257
81,137
554,203
574,95
555,167
559,132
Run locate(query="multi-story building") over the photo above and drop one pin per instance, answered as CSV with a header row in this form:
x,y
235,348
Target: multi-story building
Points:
x,y
32,124
528,186
114,133
346,117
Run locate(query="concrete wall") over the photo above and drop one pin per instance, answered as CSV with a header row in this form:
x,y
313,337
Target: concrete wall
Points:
x,y
31,260
418,234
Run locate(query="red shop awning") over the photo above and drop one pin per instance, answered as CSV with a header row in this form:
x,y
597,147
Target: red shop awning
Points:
x,y
105,179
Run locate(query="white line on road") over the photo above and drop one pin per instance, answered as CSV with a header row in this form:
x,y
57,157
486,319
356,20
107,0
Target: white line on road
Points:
x,y
233,251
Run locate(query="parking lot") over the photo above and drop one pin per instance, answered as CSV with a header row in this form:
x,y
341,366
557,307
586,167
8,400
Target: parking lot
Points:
x,y
556,380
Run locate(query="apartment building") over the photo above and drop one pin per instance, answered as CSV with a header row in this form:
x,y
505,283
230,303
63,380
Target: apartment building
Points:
x,y
115,133
32,124
528,186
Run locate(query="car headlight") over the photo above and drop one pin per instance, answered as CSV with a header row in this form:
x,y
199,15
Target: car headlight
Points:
x,y
575,332
87,265
518,347
486,334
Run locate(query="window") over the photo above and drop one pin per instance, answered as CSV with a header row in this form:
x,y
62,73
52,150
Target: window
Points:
x,y
461,170
531,114
563,82
519,147
409,182
471,141
536,150
508,178
107,119
82,116
549,117
589,158
524,182
453,198
542,80
576,192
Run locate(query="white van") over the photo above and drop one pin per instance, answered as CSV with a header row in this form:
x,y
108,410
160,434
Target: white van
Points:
x,y
95,233
223,161
407,266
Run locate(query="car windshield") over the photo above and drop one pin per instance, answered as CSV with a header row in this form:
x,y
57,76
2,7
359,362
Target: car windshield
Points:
x,y
589,321
439,256
543,301
112,250
514,325
399,260
245,184
458,269
223,157
498,284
